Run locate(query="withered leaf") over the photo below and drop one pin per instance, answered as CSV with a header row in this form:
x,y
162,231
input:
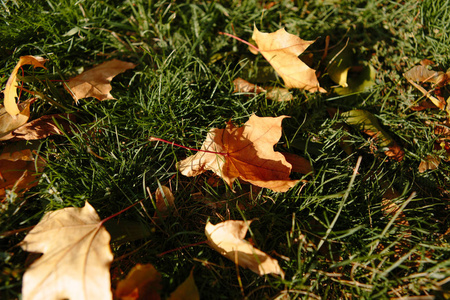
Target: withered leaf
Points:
x,y
272,93
227,238
76,256
244,152
281,50
19,171
43,127
96,81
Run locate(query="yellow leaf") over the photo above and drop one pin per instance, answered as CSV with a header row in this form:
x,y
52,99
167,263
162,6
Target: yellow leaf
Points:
x,y
10,91
227,238
76,257
281,50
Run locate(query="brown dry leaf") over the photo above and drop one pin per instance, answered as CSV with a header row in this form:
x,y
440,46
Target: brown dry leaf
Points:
x,y
227,238
43,127
244,152
143,282
272,93
164,200
18,171
391,209
431,162
9,123
96,81
76,256
423,74
10,91
186,291
281,50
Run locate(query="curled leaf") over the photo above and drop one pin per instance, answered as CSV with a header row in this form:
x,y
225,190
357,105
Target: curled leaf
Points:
x,y
281,50
368,124
10,91
227,238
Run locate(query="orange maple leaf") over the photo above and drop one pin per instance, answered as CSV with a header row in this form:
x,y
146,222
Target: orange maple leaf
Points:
x,y
281,50
244,152
96,81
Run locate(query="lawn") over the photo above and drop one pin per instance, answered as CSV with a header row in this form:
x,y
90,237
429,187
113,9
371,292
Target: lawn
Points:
x,y
369,222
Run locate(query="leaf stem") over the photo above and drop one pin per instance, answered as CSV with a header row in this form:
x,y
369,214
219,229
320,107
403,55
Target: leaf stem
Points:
x,y
118,213
240,40
180,248
152,139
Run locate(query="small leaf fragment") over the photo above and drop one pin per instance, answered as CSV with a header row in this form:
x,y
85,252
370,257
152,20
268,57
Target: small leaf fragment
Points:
x,y
227,238
431,162
143,282
162,195
272,93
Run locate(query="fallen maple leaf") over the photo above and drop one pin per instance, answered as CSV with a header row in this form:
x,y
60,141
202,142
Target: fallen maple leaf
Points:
x,y
227,238
143,282
281,50
76,256
10,91
244,152
96,81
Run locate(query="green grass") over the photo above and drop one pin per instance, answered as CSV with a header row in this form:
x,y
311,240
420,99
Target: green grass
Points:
x,y
182,87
